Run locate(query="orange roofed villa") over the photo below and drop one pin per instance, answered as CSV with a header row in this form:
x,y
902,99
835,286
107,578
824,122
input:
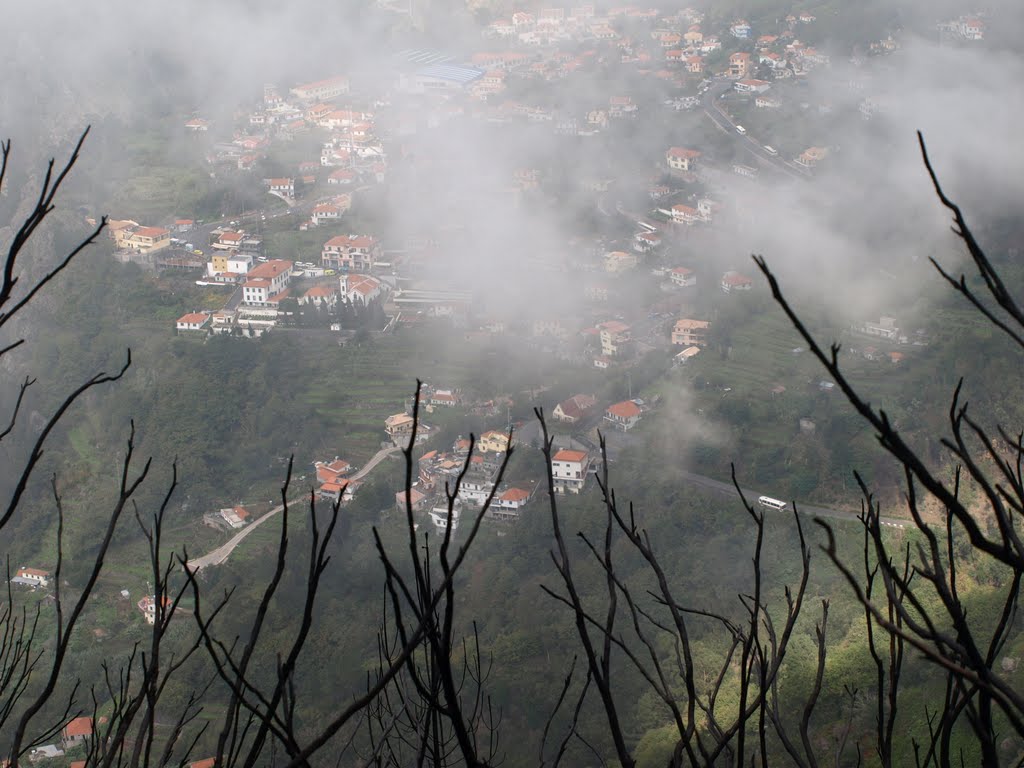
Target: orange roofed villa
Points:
x,y
569,470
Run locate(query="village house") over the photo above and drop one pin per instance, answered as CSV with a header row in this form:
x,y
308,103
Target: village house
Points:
x,y
416,498
684,214
682,159
623,416
235,517
321,90
767,102
685,355
615,338
811,156
739,65
644,242
361,289
751,86
398,426
227,240
76,732
143,239
331,472
619,261
683,277
197,125
694,65
32,577
148,607
282,187
351,253
325,296
506,504
710,44
569,470
194,321
445,398
342,177
494,441
885,328
343,491
690,333
267,284
574,409
331,210
734,281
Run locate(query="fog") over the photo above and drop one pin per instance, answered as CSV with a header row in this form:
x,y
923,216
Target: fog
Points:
x,y
843,235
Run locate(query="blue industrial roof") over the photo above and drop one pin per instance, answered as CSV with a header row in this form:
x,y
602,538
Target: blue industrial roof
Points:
x,y
422,56
451,72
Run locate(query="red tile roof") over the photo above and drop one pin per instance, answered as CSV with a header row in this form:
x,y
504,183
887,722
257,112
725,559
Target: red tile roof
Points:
x,y
153,232
515,494
271,269
568,455
80,726
687,154
627,409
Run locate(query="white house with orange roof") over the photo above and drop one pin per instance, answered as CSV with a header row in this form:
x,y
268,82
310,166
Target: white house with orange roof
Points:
x,y
76,732
229,240
506,504
569,470
623,416
266,282
688,332
361,289
684,214
145,239
332,210
148,607
282,187
682,276
333,471
321,90
236,516
351,253
193,321
734,281
682,159
32,577
751,85
320,296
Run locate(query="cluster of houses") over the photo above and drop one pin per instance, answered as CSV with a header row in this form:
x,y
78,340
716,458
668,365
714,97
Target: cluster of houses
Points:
x,y
265,283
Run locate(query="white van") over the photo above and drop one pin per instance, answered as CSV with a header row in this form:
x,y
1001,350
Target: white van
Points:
x,y
771,150
741,130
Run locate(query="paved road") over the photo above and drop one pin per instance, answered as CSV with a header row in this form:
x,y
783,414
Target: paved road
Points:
x,y
714,112
221,553
804,509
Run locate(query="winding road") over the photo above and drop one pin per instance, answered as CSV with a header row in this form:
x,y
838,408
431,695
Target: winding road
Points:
x,y
221,553
714,112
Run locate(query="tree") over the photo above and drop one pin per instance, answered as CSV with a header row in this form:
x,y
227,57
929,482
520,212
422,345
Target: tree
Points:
x,y
149,716
427,702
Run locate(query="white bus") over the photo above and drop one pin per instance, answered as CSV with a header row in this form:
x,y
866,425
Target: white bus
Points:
x,y
768,501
